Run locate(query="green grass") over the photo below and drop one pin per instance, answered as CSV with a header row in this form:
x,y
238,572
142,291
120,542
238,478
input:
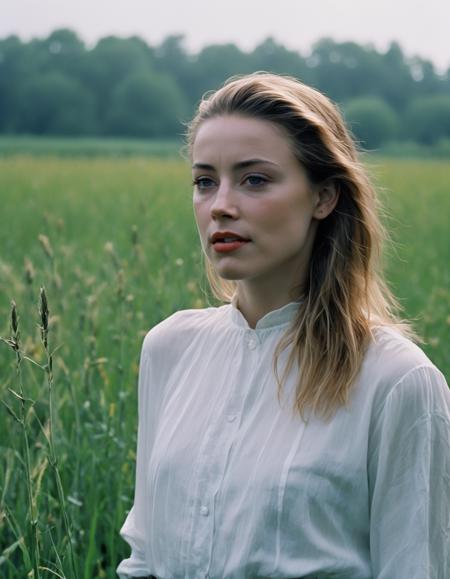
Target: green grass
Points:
x,y
415,195
411,149
120,253
87,146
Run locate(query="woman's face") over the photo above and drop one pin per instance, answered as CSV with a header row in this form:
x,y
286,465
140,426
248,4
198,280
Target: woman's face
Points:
x,y
248,182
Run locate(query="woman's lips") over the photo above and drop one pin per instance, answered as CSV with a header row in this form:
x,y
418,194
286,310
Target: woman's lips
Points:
x,y
224,247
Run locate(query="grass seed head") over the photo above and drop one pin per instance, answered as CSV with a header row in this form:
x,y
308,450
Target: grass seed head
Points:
x,y
120,288
134,235
29,271
46,246
57,281
109,248
43,309
14,318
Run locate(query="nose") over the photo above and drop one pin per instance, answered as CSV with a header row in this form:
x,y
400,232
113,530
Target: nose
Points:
x,y
225,203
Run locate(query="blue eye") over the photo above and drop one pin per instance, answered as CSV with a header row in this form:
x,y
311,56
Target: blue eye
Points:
x,y
256,180
203,182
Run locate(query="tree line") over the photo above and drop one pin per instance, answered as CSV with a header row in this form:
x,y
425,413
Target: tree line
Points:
x,y
125,87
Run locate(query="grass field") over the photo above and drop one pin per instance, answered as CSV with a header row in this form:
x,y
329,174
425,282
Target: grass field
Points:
x,y
114,243
87,147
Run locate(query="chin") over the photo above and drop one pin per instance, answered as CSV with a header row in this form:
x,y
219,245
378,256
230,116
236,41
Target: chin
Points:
x,y
230,275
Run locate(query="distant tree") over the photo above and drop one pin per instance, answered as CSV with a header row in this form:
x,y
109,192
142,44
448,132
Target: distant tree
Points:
x,y
426,80
56,104
110,62
397,83
105,77
272,56
428,119
346,70
146,105
63,49
371,120
12,72
217,62
172,58
58,61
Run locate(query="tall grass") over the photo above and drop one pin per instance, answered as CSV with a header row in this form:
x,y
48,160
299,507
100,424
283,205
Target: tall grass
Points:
x,y
116,249
115,246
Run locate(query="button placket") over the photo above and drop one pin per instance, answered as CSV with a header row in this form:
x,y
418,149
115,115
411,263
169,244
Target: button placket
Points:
x,y
209,474
252,341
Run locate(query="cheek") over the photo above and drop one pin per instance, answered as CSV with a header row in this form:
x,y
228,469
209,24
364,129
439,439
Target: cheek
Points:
x,y
201,219
199,214
286,219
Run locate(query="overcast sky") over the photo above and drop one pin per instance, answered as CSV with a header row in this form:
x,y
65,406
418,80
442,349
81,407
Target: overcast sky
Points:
x,y
421,27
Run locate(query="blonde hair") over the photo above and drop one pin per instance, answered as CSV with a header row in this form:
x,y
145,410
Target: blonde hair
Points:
x,y
344,294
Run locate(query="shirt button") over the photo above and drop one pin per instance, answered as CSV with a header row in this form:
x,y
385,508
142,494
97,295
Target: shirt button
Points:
x,y
252,343
204,511
231,418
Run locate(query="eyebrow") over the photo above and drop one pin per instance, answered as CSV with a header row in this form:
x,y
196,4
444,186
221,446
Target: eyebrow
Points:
x,y
236,166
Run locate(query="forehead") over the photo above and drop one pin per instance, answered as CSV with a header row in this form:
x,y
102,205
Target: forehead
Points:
x,y
231,137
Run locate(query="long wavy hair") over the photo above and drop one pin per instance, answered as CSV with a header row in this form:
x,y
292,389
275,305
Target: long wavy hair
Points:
x,y
344,295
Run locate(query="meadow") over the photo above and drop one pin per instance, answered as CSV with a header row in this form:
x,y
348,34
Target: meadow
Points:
x,y
114,244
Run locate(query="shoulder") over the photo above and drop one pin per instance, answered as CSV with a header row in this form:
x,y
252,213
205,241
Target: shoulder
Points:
x,y
396,370
394,353
180,329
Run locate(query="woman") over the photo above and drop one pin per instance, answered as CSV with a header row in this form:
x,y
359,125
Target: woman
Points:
x,y
340,467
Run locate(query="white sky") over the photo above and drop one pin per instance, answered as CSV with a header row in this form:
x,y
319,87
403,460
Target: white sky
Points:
x,y
421,27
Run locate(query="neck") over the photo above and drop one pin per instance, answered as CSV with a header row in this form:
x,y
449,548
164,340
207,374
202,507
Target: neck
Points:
x,y
262,294
254,303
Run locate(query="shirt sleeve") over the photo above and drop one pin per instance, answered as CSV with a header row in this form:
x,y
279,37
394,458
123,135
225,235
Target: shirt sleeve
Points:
x,y
409,480
133,530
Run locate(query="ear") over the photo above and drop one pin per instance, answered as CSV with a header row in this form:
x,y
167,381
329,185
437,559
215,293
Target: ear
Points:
x,y
326,199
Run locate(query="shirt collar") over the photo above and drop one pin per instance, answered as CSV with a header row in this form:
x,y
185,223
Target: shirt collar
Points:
x,y
278,317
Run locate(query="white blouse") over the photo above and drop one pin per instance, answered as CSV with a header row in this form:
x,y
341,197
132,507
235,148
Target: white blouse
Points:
x,y
231,485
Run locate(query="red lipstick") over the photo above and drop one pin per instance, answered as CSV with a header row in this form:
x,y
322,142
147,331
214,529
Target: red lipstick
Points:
x,y
225,241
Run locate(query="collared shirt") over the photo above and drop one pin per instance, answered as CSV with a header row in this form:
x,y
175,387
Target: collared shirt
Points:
x,y
231,484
